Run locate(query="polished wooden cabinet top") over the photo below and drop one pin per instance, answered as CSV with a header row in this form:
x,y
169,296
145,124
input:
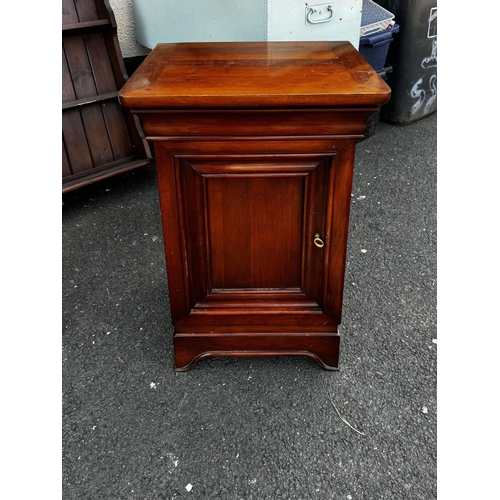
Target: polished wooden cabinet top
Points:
x,y
254,74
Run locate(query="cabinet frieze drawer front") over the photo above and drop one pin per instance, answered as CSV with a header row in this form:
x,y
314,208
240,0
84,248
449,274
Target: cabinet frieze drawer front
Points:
x,y
263,123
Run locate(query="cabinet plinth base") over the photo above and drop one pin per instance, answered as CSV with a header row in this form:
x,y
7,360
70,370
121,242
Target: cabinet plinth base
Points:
x,y
323,347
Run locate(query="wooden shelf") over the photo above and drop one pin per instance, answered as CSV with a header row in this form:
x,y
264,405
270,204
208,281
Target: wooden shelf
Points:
x,y
97,98
110,170
100,138
85,27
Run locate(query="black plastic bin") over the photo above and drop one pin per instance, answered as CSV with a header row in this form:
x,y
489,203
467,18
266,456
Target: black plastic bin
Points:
x,y
374,47
413,57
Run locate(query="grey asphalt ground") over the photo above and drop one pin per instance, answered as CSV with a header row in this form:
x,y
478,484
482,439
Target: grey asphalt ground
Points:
x,y
254,428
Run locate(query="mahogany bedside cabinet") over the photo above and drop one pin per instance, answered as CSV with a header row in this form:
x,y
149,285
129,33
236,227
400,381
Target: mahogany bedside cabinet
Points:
x,y
254,147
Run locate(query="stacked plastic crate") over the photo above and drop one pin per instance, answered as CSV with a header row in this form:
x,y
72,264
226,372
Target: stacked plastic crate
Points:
x,y
376,33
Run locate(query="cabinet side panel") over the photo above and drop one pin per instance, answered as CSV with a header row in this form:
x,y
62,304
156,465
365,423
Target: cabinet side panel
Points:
x,y
173,233
343,164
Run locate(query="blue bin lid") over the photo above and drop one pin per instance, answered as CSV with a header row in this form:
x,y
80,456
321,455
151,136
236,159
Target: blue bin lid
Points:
x,y
380,36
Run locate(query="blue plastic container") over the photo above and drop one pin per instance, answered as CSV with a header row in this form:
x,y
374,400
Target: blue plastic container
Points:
x,y
374,48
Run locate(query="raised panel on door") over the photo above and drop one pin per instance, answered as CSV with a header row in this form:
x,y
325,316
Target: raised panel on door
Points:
x,y
255,231
249,226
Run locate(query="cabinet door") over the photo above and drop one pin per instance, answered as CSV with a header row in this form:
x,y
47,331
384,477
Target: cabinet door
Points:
x,y
245,229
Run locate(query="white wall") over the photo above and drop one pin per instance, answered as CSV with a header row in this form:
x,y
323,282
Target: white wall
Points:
x,y
125,20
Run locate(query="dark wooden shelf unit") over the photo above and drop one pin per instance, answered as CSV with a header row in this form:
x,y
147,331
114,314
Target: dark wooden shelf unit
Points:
x,y
100,137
